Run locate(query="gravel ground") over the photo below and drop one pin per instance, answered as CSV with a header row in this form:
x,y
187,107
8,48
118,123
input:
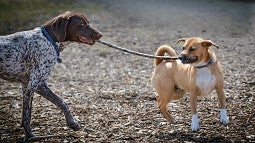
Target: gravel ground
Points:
x,y
110,93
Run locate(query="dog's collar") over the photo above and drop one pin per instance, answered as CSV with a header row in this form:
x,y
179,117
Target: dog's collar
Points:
x,y
47,35
211,61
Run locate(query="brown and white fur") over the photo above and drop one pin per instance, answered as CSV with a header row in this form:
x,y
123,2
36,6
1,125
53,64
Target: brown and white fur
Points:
x,y
28,57
197,73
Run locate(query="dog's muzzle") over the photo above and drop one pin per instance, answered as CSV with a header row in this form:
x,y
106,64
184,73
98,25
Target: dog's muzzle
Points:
x,y
188,59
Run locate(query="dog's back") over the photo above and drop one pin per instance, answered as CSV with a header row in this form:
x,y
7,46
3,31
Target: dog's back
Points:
x,y
20,51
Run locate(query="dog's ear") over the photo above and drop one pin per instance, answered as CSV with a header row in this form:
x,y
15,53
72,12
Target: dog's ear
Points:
x,y
59,27
181,40
208,43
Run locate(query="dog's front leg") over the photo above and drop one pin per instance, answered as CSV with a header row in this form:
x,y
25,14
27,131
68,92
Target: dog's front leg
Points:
x,y
194,116
26,113
222,103
44,91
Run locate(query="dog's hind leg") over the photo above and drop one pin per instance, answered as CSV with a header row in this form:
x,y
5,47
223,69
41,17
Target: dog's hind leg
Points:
x,y
178,93
44,91
26,113
163,100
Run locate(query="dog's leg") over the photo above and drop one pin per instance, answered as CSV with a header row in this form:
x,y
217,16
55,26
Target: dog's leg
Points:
x,y
44,91
163,100
222,103
178,94
194,121
26,113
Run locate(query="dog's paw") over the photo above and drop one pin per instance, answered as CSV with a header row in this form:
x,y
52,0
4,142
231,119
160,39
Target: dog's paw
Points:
x,y
194,123
74,125
28,137
224,117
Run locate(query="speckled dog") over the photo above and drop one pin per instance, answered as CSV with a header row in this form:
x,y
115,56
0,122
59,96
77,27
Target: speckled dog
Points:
x,y
28,57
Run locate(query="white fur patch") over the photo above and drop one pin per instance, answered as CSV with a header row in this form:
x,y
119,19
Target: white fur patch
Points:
x,y
194,122
224,117
169,65
205,80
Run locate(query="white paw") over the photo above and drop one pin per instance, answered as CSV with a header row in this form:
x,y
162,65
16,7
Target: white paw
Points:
x,y
194,123
224,117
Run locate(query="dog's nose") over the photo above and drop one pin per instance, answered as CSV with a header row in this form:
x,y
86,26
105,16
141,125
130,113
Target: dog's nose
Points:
x,y
98,35
182,56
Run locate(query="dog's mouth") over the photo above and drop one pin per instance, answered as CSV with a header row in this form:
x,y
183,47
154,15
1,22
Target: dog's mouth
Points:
x,y
86,40
188,59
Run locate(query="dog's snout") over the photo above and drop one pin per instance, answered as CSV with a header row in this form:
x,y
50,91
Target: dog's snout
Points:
x,y
99,35
182,57
187,59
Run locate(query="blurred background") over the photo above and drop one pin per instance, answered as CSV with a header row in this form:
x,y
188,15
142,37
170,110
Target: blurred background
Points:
x,y
234,16
17,15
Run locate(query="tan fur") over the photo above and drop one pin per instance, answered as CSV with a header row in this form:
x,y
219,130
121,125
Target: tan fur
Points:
x,y
169,74
161,52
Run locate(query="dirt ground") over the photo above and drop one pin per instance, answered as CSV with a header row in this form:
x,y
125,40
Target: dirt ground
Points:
x,y
109,91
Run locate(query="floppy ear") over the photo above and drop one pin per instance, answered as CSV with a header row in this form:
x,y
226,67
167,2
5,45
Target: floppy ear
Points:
x,y
181,40
208,43
59,27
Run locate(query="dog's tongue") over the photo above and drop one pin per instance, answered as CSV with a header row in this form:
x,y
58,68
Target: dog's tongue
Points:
x,y
86,40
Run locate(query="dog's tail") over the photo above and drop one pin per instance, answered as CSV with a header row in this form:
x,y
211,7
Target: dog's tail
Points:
x,y
161,52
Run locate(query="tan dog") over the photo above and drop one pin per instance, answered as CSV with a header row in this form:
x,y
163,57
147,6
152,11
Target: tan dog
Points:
x,y
198,73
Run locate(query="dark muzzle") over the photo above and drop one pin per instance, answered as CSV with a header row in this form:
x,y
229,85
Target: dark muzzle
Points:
x,y
188,59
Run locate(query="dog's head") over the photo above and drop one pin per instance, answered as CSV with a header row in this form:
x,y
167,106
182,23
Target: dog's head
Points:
x,y
72,26
195,50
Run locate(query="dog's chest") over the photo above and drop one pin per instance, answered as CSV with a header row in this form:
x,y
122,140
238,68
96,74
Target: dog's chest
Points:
x,y
205,80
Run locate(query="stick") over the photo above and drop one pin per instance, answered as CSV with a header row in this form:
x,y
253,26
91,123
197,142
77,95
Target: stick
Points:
x,y
137,53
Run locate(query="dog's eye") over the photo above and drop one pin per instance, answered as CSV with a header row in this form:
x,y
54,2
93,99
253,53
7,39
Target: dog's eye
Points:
x,y
192,49
82,24
183,48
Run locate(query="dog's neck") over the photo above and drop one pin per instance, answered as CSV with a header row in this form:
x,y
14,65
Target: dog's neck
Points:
x,y
210,58
51,33
204,64
51,40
